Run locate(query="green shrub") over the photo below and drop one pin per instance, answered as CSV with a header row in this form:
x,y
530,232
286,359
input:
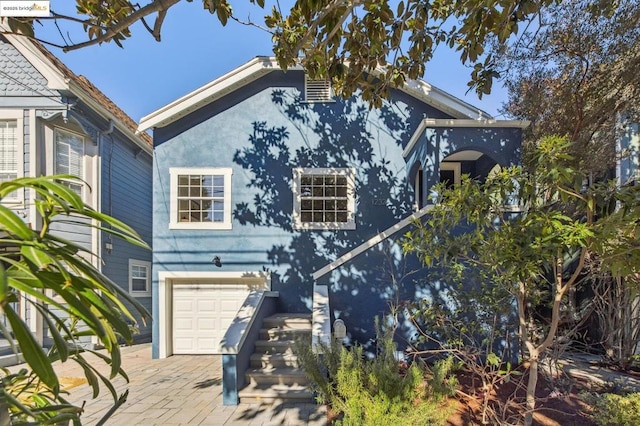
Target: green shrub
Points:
x,y
615,410
378,391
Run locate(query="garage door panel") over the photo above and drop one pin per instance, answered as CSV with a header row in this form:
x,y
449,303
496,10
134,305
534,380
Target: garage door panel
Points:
x,y
183,304
186,344
229,306
183,323
207,324
202,314
206,306
207,342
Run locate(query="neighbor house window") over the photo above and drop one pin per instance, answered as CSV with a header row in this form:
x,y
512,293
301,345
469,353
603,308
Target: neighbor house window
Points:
x,y
139,278
200,198
70,157
324,198
317,90
9,155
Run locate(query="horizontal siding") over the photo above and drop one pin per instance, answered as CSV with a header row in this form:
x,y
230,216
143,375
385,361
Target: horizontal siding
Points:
x,y
73,228
126,195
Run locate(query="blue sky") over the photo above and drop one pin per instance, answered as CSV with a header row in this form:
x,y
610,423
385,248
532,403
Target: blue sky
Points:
x,y
195,49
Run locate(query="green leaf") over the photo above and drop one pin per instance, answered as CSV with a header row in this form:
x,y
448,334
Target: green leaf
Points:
x,y
4,285
493,359
31,350
11,223
59,342
92,378
39,258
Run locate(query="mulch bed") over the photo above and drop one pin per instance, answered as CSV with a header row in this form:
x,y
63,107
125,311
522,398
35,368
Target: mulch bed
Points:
x,y
558,402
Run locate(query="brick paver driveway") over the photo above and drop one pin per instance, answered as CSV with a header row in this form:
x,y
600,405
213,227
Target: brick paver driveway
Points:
x,y
179,390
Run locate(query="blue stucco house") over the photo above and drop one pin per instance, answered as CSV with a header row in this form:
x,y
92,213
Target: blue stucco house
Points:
x,y
265,181
276,203
53,121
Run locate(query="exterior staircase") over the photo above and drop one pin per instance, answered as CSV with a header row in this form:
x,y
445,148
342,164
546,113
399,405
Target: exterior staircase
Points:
x,y
274,375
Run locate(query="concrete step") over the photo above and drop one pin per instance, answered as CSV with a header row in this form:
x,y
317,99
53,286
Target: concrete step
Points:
x,y
276,376
275,347
274,334
273,361
288,321
272,394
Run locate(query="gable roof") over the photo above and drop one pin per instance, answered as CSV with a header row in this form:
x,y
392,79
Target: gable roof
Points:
x,y
18,77
61,78
262,65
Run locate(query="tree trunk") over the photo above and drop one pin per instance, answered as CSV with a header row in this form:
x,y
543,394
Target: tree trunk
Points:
x,y
531,389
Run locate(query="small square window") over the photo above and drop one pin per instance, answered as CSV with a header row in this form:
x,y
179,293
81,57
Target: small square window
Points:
x,y
324,198
139,278
200,198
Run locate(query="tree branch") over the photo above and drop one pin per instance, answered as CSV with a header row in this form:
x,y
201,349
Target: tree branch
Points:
x,y
158,24
159,6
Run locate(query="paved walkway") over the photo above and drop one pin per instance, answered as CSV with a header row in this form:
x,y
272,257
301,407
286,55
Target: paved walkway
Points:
x,y
179,390
587,367
187,390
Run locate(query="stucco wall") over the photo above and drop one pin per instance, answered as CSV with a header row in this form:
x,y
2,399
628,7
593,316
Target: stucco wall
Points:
x,y
263,131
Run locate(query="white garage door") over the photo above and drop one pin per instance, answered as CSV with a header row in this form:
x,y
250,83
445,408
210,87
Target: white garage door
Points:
x,y
202,313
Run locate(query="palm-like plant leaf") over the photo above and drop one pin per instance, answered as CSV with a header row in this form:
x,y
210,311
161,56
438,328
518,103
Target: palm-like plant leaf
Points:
x,y
68,291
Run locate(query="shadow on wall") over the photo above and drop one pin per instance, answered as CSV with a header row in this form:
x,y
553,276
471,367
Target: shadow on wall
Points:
x,y
346,133
337,134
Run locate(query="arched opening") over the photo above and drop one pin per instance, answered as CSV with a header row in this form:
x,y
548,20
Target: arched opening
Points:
x,y
468,162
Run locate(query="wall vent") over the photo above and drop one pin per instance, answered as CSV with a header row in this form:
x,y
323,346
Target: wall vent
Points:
x,y
317,90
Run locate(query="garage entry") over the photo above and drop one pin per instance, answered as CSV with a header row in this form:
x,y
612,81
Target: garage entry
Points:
x,y
199,307
202,313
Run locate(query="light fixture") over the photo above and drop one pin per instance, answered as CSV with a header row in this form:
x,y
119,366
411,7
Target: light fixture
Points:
x,y
339,330
216,261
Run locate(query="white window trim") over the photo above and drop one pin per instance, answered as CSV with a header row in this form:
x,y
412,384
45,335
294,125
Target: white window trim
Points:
x,y
455,167
18,116
350,224
84,157
135,262
174,223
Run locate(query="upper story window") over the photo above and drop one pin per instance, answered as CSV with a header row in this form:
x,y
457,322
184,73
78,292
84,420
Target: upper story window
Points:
x,y
139,278
69,157
317,90
9,156
324,198
200,198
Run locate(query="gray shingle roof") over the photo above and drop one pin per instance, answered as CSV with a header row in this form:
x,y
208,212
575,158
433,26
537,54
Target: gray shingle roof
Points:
x,y
18,77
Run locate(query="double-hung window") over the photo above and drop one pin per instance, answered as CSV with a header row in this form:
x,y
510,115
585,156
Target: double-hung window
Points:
x,y
9,153
324,198
139,278
200,198
70,157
